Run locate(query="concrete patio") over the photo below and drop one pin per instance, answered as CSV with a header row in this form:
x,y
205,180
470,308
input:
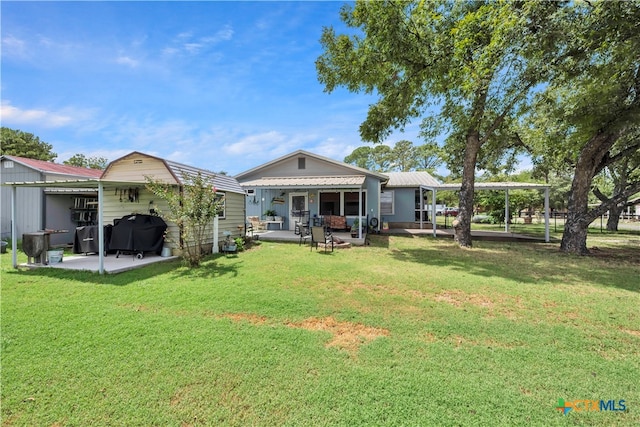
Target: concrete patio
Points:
x,y
112,264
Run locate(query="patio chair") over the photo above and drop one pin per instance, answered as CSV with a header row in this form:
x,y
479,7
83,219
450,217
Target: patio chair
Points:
x,y
256,224
301,222
321,235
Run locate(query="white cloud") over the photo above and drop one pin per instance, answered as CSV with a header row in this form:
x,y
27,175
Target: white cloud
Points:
x,y
128,61
17,116
13,46
187,43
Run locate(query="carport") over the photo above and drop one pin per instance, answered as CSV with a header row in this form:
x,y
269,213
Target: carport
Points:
x,y
500,186
91,184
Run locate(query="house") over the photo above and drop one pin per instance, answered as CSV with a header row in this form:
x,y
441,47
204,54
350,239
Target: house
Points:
x,y
125,193
46,208
404,199
305,182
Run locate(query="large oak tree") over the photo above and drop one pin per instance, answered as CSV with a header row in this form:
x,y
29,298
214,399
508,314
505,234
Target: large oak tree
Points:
x,y
588,117
477,62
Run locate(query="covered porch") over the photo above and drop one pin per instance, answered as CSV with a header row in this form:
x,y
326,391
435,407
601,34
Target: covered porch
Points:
x,y
283,202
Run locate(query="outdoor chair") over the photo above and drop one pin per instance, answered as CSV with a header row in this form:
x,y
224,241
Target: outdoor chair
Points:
x,y
301,222
256,224
320,235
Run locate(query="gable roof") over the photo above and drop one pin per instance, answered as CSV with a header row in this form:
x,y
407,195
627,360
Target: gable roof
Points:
x,y
222,182
357,170
43,166
411,179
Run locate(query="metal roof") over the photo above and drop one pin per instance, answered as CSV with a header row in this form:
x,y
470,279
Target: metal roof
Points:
x,y
297,153
494,186
411,179
54,168
351,181
222,182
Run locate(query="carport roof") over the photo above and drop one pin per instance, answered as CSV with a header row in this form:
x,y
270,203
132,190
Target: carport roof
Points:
x,y
492,186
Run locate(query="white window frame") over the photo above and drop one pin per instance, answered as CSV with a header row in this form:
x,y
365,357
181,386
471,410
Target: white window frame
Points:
x,y
342,204
222,214
383,196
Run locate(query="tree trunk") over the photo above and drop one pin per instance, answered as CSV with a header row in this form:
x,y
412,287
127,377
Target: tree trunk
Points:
x,y
614,217
574,238
462,223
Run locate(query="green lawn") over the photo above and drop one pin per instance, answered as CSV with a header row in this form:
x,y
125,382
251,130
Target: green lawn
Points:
x,y
405,332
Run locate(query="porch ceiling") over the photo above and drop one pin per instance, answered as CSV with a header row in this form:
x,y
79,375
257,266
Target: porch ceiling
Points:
x,y
352,181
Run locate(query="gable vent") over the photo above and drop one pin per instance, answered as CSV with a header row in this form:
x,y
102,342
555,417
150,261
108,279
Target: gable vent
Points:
x,y
137,162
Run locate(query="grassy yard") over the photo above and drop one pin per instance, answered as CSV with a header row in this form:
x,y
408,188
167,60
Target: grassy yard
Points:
x,y
405,332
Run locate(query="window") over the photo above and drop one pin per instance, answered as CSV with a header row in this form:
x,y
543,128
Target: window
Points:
x,y
330,203
302,163
8,164
351,201
387,203
344,203
222,214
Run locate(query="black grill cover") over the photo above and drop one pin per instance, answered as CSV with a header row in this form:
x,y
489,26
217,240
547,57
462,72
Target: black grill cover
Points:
x,y
138,233
86,239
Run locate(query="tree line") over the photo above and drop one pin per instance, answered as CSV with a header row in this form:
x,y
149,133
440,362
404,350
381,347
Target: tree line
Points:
x,y
15,142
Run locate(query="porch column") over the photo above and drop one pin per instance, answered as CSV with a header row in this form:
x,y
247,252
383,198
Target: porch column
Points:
x,y
360,213
421,205
546,214
14,227
506,210
216,244
433,210
100,227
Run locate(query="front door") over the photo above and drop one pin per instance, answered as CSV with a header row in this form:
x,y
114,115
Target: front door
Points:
x,y
297,202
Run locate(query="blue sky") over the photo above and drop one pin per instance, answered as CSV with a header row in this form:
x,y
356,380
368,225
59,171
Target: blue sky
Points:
x,y
218,85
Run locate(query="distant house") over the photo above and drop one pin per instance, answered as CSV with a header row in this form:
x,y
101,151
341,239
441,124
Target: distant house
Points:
x,y
45,208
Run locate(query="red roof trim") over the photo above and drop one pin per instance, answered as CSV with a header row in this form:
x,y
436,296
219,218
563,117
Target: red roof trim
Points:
x,y
56,168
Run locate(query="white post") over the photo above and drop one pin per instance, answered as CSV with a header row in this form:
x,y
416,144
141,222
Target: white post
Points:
x,y
546,214
100,227
215,249
433,210
420,205
506,210
360,213
14,227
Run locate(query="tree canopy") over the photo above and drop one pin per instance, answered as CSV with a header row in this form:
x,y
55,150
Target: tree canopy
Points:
x,y
23,144
82,161
477,62
588,117
402,157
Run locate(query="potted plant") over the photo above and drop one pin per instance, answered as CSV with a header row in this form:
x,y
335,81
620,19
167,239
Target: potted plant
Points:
x,y
354,228
269,214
